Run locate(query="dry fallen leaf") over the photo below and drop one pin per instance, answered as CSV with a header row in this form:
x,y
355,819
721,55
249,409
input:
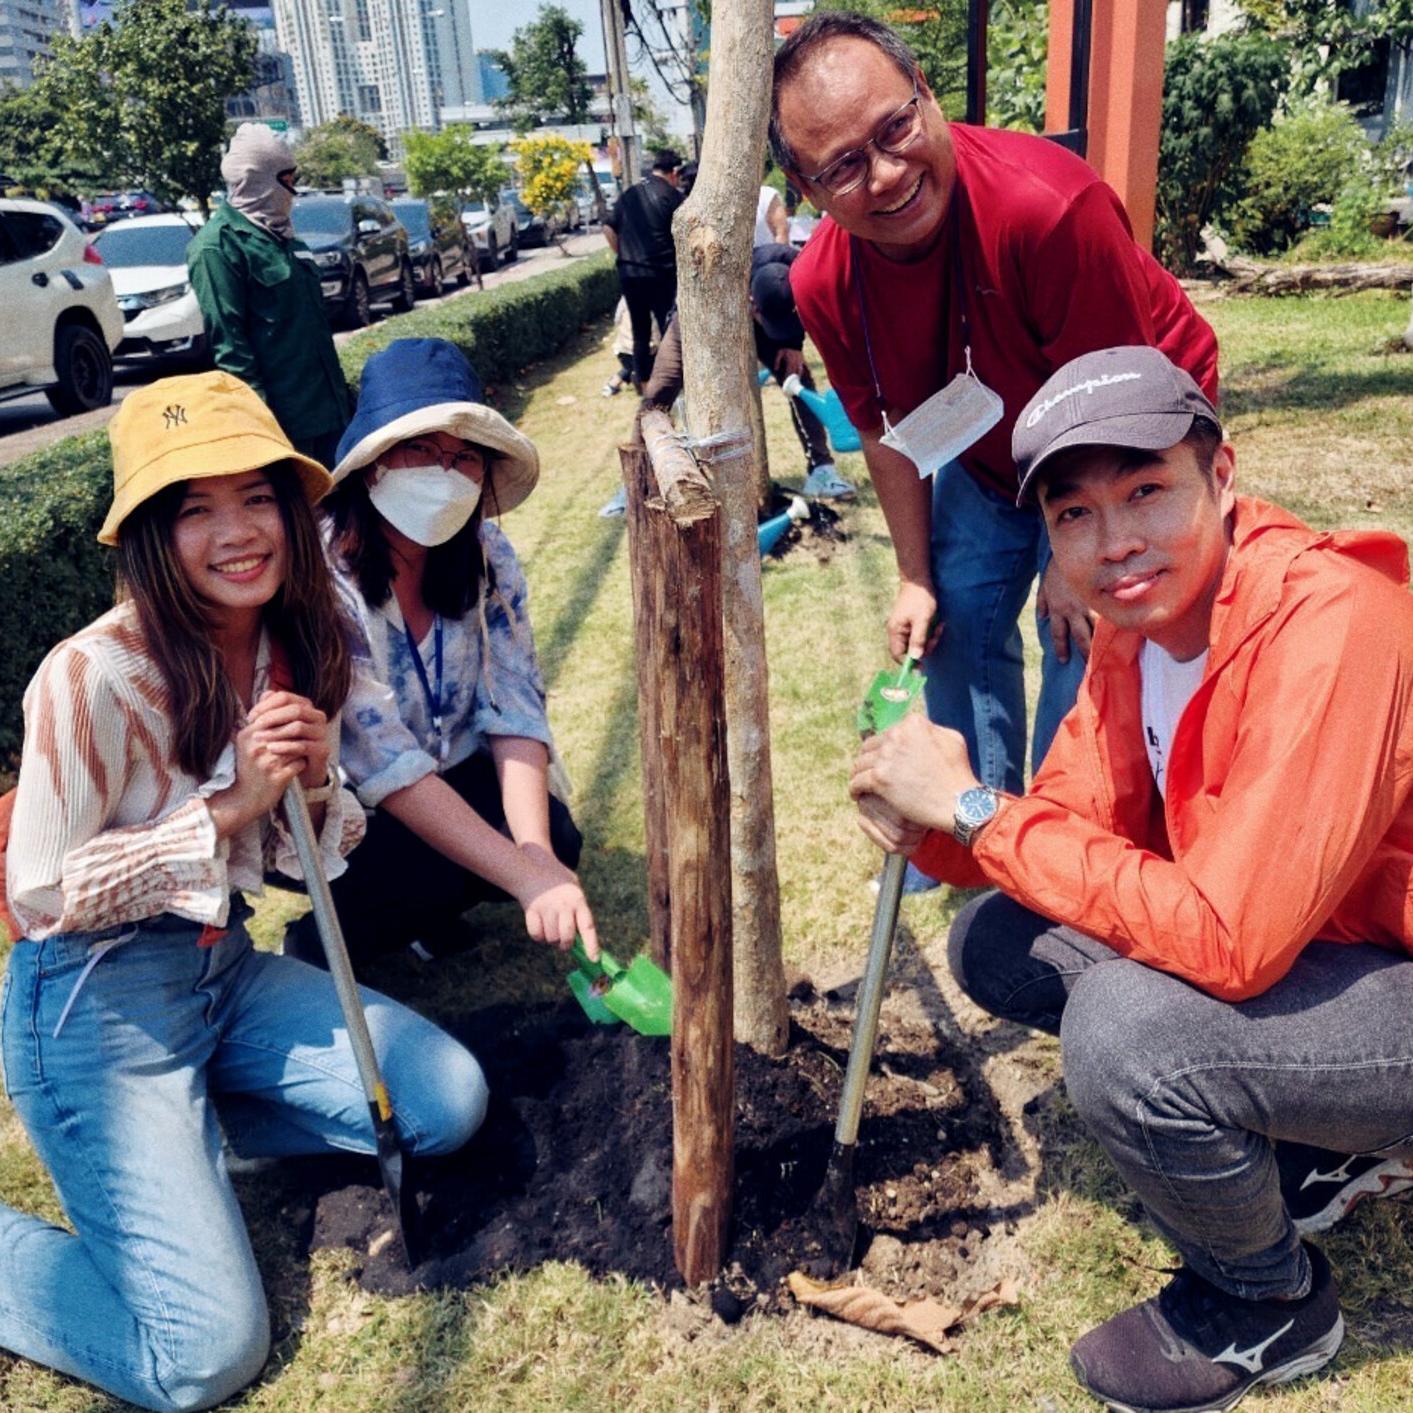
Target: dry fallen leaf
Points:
x,y
926,1321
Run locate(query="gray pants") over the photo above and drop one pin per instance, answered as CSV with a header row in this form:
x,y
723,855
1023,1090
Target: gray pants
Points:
x,y
1189,1095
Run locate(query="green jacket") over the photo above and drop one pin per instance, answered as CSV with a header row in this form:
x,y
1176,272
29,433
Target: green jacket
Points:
x,y
265,319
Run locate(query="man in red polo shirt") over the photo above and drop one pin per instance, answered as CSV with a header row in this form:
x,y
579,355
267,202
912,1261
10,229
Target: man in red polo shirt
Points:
x,y
941,238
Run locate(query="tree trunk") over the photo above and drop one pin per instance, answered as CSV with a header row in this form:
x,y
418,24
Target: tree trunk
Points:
x,y
648,638
713,234
684,573
757,411
1250,277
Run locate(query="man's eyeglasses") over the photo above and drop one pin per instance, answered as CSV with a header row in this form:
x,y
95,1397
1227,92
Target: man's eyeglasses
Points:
x,y
895,135
468,460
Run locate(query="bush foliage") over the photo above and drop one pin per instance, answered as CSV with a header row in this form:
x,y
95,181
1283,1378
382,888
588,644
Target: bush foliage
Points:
x,y
1303,159
58,577
1217,95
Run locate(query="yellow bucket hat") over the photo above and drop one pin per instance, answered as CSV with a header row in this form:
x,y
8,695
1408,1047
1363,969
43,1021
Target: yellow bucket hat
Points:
x,y
190,428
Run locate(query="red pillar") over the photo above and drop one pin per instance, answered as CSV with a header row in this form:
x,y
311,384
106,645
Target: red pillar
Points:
x,y
1125,96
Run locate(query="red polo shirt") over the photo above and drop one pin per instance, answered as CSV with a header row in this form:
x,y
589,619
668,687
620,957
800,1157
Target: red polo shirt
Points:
x,y
1048,270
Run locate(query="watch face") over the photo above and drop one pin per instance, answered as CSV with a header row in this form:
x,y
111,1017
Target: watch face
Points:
x,y
976,806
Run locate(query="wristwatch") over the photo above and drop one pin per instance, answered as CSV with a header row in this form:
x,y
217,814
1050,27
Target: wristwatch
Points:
x,y
975,809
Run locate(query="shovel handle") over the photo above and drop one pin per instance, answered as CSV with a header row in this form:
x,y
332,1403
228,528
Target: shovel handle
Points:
x,y
880,949
336,950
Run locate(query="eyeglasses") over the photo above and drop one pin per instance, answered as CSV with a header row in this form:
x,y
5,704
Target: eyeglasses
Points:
x,y
469,460
894,135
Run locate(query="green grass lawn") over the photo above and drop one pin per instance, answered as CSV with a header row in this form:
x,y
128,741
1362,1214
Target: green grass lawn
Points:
x,y
1322,417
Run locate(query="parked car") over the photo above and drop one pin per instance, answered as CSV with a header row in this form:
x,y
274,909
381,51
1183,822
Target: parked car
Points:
x,y
530,228
147,258
113,206
584,200
436,241
361,250
493,230
61,321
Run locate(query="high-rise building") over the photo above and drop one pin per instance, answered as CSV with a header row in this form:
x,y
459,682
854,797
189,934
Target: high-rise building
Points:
x,y
272,96
26,27
393,63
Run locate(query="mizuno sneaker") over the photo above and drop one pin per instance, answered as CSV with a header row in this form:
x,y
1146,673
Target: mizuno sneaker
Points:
x,y
1321,1188
1194,1348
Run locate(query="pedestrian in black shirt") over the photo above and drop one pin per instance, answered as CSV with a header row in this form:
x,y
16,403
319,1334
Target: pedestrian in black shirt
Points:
x,y
639,231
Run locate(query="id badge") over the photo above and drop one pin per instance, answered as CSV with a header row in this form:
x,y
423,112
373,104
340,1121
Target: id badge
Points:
x,y
946,424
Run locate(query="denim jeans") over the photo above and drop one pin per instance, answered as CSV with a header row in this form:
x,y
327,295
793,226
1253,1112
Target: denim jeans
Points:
x,y
157,1299
1190,1095
985,555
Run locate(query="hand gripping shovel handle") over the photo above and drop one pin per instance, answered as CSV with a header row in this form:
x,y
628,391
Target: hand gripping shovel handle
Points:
x,y
341,971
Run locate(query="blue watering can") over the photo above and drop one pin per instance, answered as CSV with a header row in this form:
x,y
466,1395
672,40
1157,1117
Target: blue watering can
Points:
x,y
843,436
770,532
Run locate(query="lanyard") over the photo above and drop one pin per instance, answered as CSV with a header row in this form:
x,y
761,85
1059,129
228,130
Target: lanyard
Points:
x,y
434,702
959,202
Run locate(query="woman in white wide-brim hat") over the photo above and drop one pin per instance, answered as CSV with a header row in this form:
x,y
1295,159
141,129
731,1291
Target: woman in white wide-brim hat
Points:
x,y
445,737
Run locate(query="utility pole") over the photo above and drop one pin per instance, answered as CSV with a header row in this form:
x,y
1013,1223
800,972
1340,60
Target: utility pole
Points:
x,y
615,46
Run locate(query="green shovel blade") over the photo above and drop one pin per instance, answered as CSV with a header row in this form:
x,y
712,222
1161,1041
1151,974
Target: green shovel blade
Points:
x,y
639,994
890,697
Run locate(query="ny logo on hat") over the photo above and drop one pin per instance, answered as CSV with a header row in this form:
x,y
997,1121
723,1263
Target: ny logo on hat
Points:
x,y
174,416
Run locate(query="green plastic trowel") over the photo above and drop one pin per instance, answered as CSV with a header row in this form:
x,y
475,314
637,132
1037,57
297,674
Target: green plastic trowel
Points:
x,y
890,697
639,994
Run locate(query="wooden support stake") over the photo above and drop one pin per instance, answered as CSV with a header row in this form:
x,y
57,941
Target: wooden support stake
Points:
x,y
684,568
647,635
713,236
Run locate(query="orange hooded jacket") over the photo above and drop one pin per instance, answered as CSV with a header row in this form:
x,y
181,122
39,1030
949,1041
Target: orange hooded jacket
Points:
x,y
1288,812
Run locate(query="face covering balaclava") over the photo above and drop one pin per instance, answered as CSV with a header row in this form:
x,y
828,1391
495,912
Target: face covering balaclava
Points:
x,y
251,169
429,504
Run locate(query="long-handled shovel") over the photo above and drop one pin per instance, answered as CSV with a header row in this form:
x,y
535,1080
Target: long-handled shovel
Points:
x,y
341,970
836,1211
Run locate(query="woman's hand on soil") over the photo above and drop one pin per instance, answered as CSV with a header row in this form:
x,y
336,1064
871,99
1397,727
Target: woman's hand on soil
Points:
x,y
554,902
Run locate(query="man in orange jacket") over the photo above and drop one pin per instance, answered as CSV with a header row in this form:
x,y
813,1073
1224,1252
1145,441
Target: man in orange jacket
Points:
x,y
1206,890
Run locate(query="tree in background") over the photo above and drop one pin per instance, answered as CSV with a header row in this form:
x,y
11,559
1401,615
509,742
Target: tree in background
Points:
x,y
936,33
1017,48
1217,95
452,161
142,98
647,116
342,147
547,78
33,152
1324,38
549,167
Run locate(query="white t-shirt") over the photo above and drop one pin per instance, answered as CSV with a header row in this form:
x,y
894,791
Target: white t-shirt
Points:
x,y
763,234
1168,686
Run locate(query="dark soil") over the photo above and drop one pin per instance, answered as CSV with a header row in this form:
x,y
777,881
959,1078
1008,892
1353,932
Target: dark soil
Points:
x,y
574,1161
818,535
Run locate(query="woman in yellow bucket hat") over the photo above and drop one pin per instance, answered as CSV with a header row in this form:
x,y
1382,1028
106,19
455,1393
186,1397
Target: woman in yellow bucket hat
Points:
x,y
138,1022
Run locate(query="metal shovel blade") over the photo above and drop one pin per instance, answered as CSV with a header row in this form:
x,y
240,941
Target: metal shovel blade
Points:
x,y
404,1204
639,994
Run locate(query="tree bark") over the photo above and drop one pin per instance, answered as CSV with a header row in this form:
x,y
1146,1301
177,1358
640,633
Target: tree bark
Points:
x,y
713,234
643,525
685,574
1249,277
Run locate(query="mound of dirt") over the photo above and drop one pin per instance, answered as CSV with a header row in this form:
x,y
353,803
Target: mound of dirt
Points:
x,y
574,1162
818,535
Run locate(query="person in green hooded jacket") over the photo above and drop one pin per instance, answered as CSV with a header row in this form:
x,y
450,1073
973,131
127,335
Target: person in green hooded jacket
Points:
x,y
259,293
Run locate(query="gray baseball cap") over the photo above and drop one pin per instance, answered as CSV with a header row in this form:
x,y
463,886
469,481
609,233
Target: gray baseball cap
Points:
x,y
1126,397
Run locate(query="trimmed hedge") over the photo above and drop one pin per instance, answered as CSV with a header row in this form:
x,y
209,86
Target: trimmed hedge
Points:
x,y
57,576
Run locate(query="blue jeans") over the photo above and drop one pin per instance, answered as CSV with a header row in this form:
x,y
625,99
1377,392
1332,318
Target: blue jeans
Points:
x,y
157,1299
985,555
1193,1098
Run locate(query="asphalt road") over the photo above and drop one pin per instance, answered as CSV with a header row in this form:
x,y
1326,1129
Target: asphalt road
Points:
x,y
28,423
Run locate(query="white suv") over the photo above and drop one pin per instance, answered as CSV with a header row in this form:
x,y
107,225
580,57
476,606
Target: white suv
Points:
x,y
147,258
493,231
61,321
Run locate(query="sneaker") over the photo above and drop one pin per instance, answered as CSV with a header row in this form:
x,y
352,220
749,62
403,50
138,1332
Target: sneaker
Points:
x,y
617,506
1193,1347
612,388
825,483
1321,1188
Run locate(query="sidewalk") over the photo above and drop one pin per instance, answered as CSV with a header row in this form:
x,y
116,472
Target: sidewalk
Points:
x,y
46,433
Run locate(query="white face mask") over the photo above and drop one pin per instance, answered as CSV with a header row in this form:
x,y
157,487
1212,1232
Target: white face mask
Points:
x,y
429,504
946,424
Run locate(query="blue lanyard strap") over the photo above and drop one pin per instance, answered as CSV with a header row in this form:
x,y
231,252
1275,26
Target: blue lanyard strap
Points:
x,y
434,700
